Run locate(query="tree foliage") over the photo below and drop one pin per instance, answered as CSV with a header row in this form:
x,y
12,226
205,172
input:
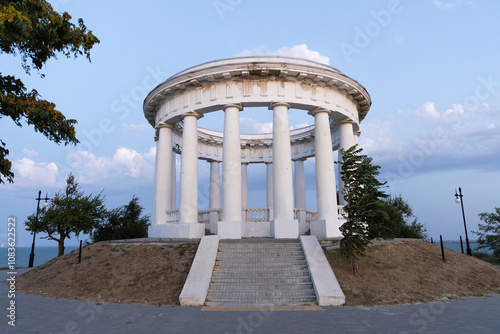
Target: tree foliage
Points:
x,y
363,193
70,211
402,223
124,222
489,232
33,30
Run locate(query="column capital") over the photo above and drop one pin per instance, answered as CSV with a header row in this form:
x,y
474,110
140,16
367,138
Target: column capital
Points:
x,y
346,121
357,133
192,113
234,105
319,110
300,159
164,125
245,163
278,103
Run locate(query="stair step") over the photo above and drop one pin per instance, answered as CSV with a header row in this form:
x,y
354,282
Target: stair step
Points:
x,y
263,305
260,286
253,269
268,280
262,257
259,253
267,272
260,293
223,245
252,274
260,262
283,300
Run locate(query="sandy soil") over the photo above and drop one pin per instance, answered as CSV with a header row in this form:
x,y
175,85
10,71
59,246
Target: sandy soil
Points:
x,y
401,272
395,272
115,273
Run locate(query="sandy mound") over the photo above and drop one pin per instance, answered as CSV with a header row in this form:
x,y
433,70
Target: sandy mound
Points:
x,y
115,273
400,272
394,272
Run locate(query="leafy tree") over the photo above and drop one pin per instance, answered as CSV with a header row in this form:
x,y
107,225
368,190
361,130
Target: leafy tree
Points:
x,y
398,225
69,212
33,30
124,222
489,232
363,194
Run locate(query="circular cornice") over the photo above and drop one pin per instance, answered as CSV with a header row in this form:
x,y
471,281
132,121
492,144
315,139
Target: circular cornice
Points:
x,y
262,67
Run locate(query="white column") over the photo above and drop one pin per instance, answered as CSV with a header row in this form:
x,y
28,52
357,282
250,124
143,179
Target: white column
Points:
x,y
214,196
174,182
283,225
269,189
300,195
347,139
244,186
230,226
214,189
346,134
327,224
163,176
300,185
188,199
356,137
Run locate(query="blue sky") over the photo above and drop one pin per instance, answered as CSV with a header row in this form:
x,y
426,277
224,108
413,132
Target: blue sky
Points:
x,y
431,68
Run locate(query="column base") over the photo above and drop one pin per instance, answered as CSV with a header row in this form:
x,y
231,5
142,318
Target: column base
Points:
x,y
285,228
326,228
214,222
177,231
256,229
303,224
229,229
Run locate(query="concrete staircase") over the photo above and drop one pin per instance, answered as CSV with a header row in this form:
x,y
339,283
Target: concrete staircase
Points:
x,y
260,272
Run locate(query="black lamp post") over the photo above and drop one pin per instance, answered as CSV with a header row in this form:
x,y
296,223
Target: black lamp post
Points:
x,y
45,204
458,199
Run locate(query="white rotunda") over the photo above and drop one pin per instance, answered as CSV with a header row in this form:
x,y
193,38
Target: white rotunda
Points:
x,y
336,102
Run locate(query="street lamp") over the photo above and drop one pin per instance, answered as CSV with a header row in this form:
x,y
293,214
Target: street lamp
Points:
x,y
45,204
458,199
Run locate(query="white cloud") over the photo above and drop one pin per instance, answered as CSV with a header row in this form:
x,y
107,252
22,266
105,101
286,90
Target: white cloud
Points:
x,y
30,153
430,110
446,4
450,119
298,51
302,51
139,127
428,139
135,163
450,4
124,162
30,173
378,139
256,51
250,126
298,126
